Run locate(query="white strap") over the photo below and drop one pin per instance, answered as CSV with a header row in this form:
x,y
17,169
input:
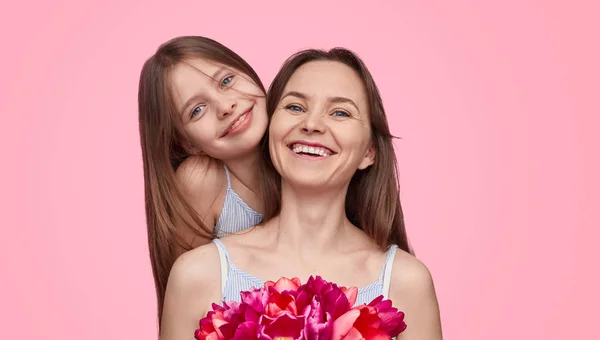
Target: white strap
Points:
x,y
224,269
387,275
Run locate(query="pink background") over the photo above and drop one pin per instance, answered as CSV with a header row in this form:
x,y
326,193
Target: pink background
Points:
x,y
497,105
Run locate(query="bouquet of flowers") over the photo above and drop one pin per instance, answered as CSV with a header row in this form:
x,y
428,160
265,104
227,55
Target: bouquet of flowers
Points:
x,y
286,309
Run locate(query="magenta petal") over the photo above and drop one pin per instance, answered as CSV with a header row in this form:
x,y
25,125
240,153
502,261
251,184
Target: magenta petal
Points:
x,y
335,303
392,321
228,330
304,297
256,298
246,331
318,323
251,315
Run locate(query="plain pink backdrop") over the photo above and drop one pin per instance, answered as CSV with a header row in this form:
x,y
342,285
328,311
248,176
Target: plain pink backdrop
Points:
x,y
496,104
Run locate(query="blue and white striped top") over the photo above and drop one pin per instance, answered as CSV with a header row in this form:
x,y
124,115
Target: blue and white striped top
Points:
x,y
236,215
235,280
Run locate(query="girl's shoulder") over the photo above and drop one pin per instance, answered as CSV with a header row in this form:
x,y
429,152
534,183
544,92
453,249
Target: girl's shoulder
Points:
x,y
201,181
200,171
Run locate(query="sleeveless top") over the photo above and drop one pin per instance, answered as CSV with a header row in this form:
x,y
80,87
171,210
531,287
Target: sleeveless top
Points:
x,y
236,214
235,280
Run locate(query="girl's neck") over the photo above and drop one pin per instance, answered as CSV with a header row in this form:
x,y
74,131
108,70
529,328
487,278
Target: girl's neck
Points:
x,y
245,169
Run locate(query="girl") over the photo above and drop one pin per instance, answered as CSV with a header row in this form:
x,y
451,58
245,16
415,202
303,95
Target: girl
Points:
x,y
330,142
202,115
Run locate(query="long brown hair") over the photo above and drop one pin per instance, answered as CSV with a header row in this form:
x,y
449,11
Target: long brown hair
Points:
x,y
163,151
372,201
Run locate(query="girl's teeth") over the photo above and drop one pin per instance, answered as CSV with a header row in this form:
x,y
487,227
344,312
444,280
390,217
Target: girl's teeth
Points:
x,y
239,121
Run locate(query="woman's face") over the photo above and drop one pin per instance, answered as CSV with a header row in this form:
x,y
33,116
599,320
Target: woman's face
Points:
x,y
320,133
222,111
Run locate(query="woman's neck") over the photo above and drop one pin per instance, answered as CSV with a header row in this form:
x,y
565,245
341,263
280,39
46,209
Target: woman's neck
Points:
x,y
311,222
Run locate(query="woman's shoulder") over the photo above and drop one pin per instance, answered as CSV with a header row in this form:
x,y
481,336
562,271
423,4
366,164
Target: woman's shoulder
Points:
x,y
195,266
192,287
409,273
412,291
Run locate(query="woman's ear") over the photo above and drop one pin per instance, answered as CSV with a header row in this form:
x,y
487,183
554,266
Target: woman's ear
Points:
x,y
369,158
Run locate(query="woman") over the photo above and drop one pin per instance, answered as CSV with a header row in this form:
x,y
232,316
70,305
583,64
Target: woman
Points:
x,y
202,116
330,142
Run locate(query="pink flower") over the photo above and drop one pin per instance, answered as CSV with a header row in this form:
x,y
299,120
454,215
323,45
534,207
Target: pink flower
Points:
x,y
333,299
318,322
209,326
392,321
257,299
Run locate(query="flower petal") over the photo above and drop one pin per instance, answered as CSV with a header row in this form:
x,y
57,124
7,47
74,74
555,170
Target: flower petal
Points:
x,y
284,284
351,293
246,331
343,324
353,334
284,325
256,298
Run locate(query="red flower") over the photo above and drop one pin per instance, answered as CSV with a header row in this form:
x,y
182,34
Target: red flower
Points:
x,y
284,284
378,320
361,322
283,326
279,302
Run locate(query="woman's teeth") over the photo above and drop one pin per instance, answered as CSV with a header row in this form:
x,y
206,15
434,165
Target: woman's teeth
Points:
x,y
311,150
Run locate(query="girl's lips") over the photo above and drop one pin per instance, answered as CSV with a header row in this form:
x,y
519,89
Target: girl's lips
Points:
x,y
240,124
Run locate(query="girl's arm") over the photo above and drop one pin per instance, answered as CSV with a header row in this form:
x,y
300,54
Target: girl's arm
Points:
x,y
202,181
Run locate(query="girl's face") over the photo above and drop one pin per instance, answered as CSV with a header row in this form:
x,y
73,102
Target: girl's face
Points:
x,y
222,111
320,133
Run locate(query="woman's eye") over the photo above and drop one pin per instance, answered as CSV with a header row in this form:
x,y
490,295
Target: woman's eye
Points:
x,y
197,110
226,81
339,113
294,108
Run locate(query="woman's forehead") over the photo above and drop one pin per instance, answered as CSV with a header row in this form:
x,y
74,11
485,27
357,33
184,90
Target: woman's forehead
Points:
x,y
330,78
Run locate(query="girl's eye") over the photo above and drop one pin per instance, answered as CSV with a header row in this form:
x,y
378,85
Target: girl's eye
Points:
x,y
197,110
339,113
294,108
226,81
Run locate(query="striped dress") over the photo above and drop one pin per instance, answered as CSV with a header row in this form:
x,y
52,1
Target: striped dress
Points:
x,y
235,280
236,215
